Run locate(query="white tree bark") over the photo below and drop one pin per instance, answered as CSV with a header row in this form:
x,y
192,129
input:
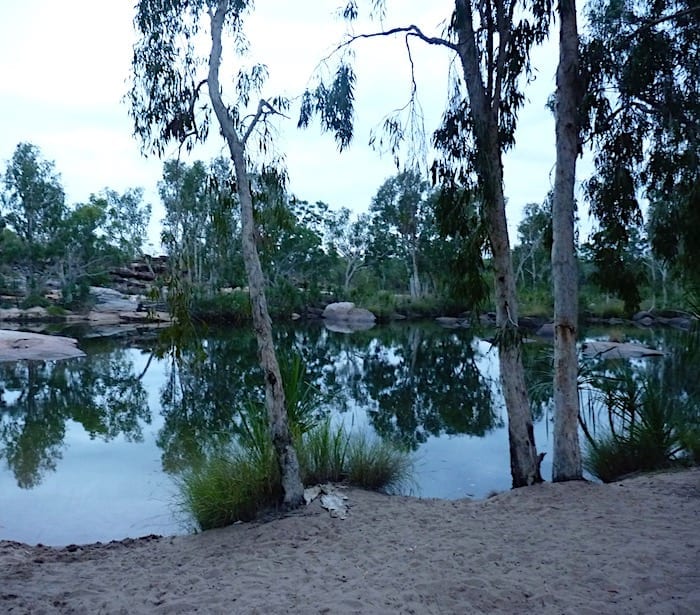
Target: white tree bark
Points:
x,y
566,464
274,391
524,460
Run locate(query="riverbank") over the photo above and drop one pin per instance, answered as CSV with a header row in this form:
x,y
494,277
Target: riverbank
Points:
x,y
628,547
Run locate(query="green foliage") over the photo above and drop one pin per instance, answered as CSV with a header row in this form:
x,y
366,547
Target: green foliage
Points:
x,y
240,483
302,398
34,300
641,80
382,304
233,307
377,465
76,245
464,243
33,197
230,486
333,103
648,428
323,454
532,254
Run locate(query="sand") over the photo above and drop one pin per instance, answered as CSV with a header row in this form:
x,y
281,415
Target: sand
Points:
x,y
629,547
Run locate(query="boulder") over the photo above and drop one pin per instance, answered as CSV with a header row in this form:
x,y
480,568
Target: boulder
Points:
x,y
109,300
20,345
339,326
346,312
618,350
546,330
450,322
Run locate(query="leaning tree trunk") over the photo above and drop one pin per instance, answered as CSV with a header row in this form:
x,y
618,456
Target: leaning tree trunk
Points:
x,y
524,460
274,391
566,464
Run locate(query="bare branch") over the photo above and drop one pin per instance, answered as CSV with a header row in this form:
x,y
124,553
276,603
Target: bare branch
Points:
x,y
264,109
411,30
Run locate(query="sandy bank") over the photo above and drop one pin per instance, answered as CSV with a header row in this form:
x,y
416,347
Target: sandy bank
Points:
x,y
630,547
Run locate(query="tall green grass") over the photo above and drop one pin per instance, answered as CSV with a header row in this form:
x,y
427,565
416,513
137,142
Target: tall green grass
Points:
x,y
239,483
647,431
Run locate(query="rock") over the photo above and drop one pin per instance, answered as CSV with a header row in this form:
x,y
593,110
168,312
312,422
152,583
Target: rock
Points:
x,y
339,326
450,322
10,314
546,330
346,312
35,313
20,345
618,350
108,300
680,322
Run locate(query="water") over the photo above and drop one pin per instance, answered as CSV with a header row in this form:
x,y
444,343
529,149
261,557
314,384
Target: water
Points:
x,y
90,448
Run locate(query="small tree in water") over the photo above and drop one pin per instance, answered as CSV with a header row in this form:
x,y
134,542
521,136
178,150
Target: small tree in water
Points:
x,y
168,82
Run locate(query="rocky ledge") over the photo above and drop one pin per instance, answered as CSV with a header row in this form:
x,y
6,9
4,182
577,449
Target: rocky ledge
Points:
x,y
20,345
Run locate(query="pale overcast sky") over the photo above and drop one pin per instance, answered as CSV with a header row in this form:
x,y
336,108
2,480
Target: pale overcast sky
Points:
x,y
64,69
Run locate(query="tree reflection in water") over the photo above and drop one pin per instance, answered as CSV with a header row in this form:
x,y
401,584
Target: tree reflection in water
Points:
x,y
37,399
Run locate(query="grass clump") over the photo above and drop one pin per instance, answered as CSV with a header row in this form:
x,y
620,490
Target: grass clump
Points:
x,y
229,486
333,454
377,465
323,454
240,483
647,432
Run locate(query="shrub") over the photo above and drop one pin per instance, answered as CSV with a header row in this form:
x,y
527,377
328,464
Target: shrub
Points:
x,y
647,432
229,486
224,307
240,483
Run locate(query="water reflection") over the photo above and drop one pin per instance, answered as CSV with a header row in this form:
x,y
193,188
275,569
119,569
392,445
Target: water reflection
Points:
x,y
412,382
161,407
102,393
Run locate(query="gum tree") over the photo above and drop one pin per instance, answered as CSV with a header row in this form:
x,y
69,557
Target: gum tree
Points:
x,y
566,462
34,203
490,44
641,67
168,104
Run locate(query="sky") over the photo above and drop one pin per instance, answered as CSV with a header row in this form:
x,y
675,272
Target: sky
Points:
x,y
64,71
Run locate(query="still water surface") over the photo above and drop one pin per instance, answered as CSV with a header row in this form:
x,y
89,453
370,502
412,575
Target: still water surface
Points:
x,y
90,448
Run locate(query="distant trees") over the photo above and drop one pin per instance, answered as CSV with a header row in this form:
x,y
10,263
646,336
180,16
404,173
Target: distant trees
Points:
x,y
403,222
201,228
34,205
350,239
74,245
532,254
641,109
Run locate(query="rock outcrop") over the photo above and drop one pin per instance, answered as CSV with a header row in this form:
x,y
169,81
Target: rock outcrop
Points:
x,y
20,345
618,350
344,317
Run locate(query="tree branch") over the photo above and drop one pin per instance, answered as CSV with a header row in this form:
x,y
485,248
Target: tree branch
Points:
x,y
660,20
222,113
264,109
411,30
